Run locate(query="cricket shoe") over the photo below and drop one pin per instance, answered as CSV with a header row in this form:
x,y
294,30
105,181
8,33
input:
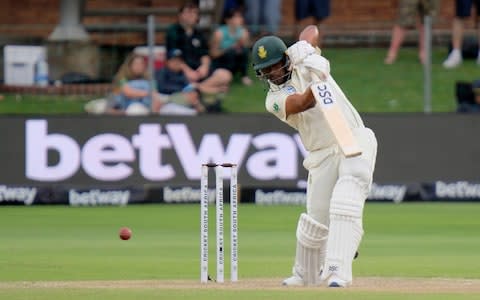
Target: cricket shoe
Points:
x,y
453,60
293,281
296,280
335,282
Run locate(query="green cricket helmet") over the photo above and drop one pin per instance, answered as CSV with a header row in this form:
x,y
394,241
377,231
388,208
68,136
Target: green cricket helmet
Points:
x,y
267,51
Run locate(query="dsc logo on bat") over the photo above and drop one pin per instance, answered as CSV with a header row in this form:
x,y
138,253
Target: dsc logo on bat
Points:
x,y
324,94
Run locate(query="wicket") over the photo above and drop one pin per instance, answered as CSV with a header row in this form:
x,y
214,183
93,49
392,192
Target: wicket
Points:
x,y
219,222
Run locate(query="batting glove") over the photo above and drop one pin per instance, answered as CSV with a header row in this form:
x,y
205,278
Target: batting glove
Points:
x,y
299,51
316,64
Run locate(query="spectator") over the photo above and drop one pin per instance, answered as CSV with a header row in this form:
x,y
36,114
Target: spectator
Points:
x,y
233,4
410,13
172,82
263,17
185,36
468,96
133,88
463,10
312,12
135,94
229,47
476,93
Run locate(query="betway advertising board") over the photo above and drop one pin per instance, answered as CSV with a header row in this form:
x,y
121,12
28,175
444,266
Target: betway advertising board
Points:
x,y
106,160
168,151
460,191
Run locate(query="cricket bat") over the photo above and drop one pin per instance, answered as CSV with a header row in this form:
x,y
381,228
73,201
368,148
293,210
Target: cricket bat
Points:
x,y
335,118
328,104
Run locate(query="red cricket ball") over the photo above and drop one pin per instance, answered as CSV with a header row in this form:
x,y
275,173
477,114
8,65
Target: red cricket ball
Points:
x,y
125,233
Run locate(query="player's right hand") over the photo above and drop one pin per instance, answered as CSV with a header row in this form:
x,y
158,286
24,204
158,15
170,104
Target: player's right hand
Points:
x,y
299,51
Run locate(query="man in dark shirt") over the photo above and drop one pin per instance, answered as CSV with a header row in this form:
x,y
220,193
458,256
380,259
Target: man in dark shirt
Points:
x,y
171,78
185,36
171,81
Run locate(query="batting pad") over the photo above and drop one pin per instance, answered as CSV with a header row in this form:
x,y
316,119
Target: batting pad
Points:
x,y
310,253
346,231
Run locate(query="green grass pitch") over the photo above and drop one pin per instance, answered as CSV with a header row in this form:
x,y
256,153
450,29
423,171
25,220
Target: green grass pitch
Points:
x,y
62,244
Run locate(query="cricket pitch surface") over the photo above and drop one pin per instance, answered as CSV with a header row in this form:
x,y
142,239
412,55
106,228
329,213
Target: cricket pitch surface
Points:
x,y
376,284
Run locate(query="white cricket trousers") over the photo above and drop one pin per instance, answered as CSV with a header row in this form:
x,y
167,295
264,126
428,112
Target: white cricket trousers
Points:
x,y
323,172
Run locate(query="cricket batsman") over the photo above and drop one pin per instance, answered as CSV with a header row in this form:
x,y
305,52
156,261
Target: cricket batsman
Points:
x,y
329,232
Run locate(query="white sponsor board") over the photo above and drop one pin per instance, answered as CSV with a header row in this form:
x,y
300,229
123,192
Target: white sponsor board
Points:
x,y
98,197
389,192
457,190
109,157
272,197
185,195
24,195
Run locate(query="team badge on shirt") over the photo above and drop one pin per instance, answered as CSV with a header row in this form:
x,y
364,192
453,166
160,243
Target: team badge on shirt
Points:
x,y
290,90
195,42
276,108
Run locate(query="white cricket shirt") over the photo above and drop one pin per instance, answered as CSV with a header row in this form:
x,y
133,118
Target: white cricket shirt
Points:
x,y
311,124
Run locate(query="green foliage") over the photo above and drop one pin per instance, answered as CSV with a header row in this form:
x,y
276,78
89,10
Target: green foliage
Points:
x,y
371,85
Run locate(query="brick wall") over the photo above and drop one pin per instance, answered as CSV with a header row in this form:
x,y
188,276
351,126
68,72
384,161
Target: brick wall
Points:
x,y
36,19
